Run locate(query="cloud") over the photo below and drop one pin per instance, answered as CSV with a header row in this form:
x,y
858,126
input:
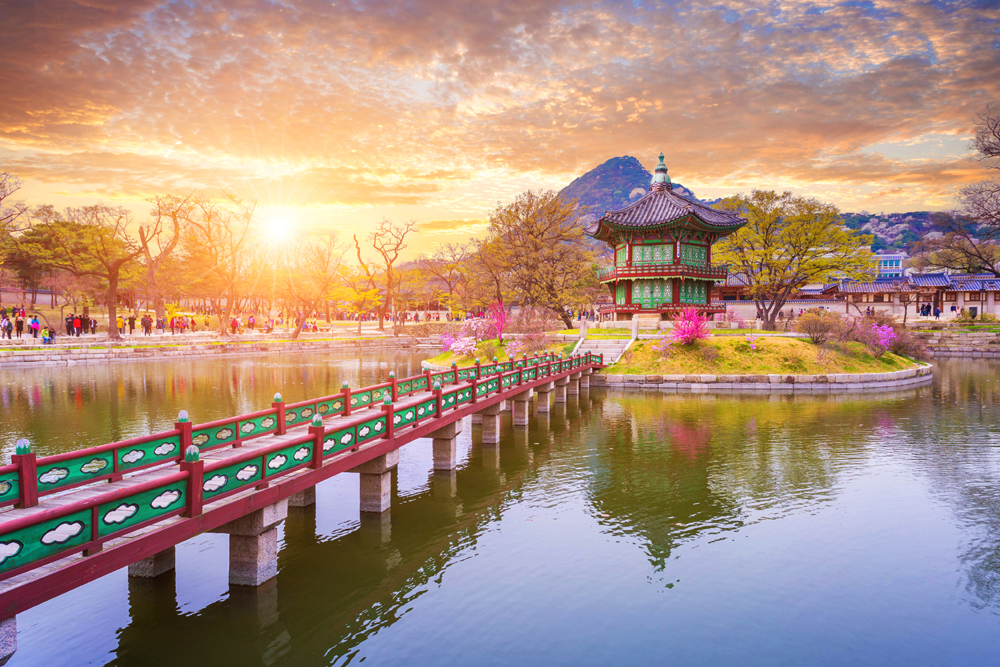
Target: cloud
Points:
x,y
224,434
165,499
200,439
267,423
363,432
248,427
9,550
62,533
94,466
277,462
346,438
120,513
459,105
301,453
164,448
133,456
215,483
53,475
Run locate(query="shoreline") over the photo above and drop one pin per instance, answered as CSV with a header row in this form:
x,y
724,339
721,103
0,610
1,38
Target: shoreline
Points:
x,y
833,382
73,356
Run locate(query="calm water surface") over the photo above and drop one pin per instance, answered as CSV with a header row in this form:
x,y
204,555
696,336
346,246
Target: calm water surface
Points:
x,y
624,528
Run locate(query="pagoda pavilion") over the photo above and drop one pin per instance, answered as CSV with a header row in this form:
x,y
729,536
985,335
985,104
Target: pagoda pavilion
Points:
x,y
663,253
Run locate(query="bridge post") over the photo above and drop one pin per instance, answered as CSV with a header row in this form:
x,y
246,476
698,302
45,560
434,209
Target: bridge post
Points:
x,y
522,408
155,565
560,389
8,638
585,378
253,545
573,388
491,423
446,446
543,396
376,482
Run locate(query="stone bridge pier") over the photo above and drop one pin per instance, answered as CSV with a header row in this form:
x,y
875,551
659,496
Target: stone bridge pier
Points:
x,y
253,545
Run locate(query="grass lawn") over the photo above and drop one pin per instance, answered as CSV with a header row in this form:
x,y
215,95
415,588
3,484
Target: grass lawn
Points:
x,y
486,350
598,333
732,356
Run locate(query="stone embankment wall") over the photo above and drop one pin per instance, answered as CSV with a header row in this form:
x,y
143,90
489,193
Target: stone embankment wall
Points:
x,y
948,343
770,383
65,356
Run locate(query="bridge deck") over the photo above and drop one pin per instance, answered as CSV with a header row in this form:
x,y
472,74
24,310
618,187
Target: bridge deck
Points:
x,y
228,482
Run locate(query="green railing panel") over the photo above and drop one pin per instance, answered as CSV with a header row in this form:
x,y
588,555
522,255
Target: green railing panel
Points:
x,y
330,407
449,400
289,457
404,417
124,513
404,387
426,409
73,471
373,428
362,399
10,487
300,415
215,436
339,440
481,389
258,425
420,383
44,539
153,451
231,477
463,396
379,394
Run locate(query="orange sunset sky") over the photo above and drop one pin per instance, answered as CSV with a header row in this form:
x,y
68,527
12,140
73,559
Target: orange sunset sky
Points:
x,y
336,114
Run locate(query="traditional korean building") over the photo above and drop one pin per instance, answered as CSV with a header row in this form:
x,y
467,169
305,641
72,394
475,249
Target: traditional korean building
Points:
x,y
663,253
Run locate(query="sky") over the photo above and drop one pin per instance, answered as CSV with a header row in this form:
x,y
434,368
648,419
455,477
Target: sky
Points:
x,y
334,115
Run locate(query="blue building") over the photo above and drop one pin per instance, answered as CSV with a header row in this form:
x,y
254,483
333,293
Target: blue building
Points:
x,y
890,265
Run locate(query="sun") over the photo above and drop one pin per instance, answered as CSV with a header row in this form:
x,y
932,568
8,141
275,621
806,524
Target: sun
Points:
x,y
279,227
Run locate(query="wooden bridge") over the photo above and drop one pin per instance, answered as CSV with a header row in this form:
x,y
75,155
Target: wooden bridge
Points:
x,y
74,517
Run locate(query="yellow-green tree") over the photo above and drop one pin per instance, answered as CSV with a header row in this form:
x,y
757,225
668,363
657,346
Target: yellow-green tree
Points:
x,y
537,250
356,292
788,243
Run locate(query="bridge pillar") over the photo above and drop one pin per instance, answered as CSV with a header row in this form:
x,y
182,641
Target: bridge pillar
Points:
x,y
376,482
8,638
154,565
543,396
303,498
446,446
253,545
522,408
477,417
491,423
573,388
585,379
560,389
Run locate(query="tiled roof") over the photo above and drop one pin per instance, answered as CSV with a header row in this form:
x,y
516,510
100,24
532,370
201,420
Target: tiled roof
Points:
x,y
870,288
663,206
930,280
736,280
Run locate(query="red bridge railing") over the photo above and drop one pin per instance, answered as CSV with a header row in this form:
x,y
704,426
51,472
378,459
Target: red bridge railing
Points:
x,y
31,540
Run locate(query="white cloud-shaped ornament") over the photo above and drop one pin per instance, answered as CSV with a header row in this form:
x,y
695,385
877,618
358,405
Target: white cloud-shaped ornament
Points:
x,y
165,499
133,456
9,550
214,483
164,449
63,532
120,513
277,462
53,476
301,453
247,472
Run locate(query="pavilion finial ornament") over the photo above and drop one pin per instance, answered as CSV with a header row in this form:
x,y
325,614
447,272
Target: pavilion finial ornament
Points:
x,y
661,181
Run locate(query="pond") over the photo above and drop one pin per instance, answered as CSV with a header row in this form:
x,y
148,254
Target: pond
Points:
x,y
622,528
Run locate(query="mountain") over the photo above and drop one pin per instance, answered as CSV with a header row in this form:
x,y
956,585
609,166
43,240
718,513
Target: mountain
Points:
x,y
613,185
622,180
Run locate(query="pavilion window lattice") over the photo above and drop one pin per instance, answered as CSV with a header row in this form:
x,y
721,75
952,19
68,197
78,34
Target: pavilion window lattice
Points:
x,y
694,255
694,292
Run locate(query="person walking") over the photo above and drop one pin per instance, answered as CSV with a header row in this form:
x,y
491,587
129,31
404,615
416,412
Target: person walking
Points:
x,y
19,324
131,324
120,323
34,326
69,325
77,326
93,326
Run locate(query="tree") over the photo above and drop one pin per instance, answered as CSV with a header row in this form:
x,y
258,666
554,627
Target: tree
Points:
x,y
788,243
357,292
158,241
12,213
536,249
309,274
222,249
388,240
970,237
91,241
446,265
